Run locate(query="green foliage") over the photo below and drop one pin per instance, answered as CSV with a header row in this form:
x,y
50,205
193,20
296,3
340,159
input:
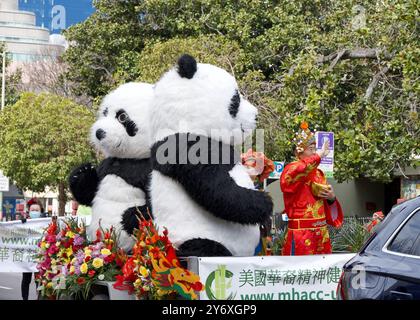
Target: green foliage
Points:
x,y
159,57
346,66
42,137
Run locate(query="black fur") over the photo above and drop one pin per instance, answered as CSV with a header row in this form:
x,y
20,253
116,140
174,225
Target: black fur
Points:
x,y
131,216
211,186
234,104
202,248
83,182
105,113
187,66
129,125
135,172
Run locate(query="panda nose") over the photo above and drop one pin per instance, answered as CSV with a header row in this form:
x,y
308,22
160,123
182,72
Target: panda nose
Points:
x,y
100,134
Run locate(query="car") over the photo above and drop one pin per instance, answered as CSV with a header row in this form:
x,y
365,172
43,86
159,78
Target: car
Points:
x,y
388,265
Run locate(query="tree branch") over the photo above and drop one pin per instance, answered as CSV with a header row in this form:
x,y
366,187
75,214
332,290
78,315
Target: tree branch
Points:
x,y
375,81
362,53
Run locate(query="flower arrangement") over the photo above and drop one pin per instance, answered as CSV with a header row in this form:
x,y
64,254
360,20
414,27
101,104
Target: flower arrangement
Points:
x,y
56,250
101,260
154,271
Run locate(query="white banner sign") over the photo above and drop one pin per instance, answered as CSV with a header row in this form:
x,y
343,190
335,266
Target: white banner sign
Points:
x,y
18,244
271,277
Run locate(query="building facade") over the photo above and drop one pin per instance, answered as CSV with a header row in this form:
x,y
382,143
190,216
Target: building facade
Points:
x,y
25,41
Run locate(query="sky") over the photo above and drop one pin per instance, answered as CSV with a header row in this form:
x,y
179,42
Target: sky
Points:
x,y
57,15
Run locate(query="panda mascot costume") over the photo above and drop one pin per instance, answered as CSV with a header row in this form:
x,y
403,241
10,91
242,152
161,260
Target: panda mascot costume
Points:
x,y
204,197
117,188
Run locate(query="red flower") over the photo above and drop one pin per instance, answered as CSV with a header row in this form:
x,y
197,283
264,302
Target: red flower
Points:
x,y
91,273
98,235
87,258
81,281
110,258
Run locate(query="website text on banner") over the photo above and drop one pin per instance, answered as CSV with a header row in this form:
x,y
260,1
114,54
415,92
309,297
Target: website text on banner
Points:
x,y
18,244
271,278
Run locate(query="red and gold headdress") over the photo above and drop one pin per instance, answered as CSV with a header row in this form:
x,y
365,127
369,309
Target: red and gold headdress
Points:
x,y
303,138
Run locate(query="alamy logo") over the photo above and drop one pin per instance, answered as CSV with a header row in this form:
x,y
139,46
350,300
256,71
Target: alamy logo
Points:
x,y
58,18
218,284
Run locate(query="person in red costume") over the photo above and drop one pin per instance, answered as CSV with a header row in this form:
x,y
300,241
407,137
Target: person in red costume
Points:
x,y
310,203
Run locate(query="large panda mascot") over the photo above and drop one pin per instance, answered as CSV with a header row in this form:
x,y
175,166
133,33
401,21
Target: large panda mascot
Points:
x,y
117,188
201,194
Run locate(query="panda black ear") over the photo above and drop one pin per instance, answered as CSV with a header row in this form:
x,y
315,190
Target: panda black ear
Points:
x,y
187,66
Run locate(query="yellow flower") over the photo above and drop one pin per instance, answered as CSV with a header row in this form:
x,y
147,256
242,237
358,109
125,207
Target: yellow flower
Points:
x,y
84,268
72,269
49,285
161,292
57,243
73,261
88,252
47,245
70,234
97,263
69,252
143,271
105,252
53,261
43,245
142,244
137,283
60,253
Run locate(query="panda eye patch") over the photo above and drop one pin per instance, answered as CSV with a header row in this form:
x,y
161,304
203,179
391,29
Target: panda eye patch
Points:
x,y
234,104
129,125
122,117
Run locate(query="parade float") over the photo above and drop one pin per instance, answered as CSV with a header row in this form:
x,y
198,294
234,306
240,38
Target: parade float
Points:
x,y
200,239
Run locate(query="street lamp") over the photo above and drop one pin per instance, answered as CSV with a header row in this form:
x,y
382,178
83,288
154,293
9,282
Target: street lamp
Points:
x,y
3,81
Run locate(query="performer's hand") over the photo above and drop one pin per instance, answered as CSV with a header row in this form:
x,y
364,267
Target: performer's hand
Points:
x,y
325,149
327,194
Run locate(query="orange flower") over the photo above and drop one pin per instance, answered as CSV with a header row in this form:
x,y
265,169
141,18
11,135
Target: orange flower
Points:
x,y
304,125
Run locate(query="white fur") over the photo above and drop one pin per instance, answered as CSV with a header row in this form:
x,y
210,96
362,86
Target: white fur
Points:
x,y
200,105
185,219
135,99
114,196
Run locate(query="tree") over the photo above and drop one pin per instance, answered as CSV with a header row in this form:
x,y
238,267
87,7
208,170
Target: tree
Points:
x,y
42,137
49,75
346,66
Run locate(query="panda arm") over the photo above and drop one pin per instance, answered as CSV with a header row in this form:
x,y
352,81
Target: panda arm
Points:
x,y
83,183
213,188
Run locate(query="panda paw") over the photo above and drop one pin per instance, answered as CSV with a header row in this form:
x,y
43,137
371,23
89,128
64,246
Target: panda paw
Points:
x,y
131,217
83,182
83,173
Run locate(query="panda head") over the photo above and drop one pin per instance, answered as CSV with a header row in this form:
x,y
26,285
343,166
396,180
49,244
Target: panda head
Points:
x,y
202,99
122,126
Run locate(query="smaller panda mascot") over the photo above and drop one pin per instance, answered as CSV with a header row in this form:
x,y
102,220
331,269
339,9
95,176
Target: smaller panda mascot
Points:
x,y
199,189
117,188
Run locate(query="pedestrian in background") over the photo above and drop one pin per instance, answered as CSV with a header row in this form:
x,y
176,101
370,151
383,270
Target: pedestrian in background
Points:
x,y
35,211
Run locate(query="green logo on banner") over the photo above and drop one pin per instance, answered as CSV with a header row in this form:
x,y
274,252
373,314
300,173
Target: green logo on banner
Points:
x,y
220,279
